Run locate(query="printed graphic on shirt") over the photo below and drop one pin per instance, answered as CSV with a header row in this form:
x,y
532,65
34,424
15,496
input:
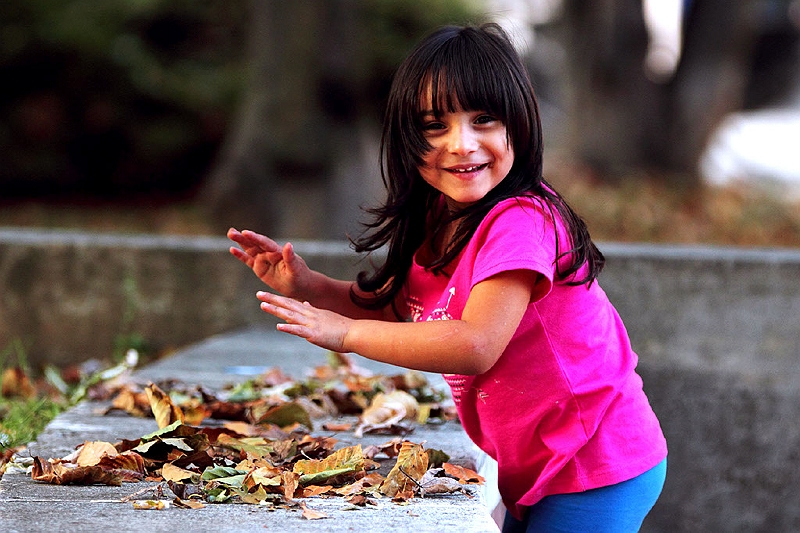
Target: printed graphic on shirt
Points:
x,y
441,312
415,307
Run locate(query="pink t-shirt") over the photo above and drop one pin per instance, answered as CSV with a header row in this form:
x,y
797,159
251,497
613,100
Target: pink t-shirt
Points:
x,y
563,409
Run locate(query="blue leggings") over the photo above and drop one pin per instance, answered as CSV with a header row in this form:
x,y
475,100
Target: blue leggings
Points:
x,y
618,508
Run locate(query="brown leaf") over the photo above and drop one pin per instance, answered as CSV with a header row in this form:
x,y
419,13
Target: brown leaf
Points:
x,y
312,490
290,482
15,383
334,426
360,500
164,410
362,485
110,471
310,514
463,475
187,504
390,449
194,413
90,453
132,402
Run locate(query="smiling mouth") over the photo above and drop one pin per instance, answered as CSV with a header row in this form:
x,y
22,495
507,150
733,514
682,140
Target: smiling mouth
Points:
x,y
467,170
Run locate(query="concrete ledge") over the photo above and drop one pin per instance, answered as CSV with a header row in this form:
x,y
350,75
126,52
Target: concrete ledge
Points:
x,y
71,296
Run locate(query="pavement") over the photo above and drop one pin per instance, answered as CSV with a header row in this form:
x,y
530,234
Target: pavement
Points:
x,y
28,506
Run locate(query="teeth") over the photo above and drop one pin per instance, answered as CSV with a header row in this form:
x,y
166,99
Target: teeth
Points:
x,y
469,169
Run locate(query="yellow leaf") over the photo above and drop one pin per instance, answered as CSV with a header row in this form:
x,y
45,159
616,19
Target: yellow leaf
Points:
x,y
150,505
346,460
403,479
164,410
171,472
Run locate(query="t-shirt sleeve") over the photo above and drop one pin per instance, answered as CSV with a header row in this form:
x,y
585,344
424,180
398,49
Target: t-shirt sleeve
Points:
x,y
517,235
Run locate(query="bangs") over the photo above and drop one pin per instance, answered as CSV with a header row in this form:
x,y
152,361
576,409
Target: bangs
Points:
x,y
466,77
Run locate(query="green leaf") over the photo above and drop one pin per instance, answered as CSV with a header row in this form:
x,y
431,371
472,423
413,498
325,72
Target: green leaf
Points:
x,y
172,427
282,415
320,478
217,495
224,474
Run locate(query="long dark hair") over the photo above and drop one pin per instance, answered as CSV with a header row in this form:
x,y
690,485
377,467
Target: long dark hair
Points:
x,y
469,68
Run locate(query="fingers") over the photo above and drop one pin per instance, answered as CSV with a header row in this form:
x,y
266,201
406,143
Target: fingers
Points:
x,y
240,255
250,239
284,308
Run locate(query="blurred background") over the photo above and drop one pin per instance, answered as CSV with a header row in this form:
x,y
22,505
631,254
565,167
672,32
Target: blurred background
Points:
x,y
665,120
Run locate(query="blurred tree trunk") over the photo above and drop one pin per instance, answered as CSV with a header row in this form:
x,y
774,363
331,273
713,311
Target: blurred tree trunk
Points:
x,y
711,78
622,120
298,114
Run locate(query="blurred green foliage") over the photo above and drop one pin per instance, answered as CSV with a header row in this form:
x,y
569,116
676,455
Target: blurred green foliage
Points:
x,y
114,96
119,97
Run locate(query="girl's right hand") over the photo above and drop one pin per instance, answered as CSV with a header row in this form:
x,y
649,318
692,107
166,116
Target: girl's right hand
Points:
x,y
278,267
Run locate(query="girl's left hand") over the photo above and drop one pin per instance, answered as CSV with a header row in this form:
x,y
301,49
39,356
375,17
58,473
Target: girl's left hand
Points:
x,y
324,328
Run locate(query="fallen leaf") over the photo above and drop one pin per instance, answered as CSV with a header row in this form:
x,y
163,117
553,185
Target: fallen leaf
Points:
x,y
187,504
16,383
171,472
132,402
463,475
90,453
361,500
124,467
386,411
312,490
282,415
404,477
150,505
164,410
310,514
337,426
368,483
431,483
343,461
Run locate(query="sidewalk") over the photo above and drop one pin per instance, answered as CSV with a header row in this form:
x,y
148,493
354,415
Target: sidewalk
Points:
x,y
26,506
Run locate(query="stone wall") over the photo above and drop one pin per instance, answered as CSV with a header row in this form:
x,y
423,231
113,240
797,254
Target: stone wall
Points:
x,y
717,330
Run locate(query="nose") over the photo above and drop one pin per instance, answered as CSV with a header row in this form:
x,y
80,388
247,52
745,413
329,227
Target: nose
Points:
x,y
462,140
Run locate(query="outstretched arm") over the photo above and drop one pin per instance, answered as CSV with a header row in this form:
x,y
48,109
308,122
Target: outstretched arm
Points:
x,y
281,269
467,346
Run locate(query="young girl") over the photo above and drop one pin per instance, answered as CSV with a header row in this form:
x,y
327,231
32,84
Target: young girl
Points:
x,y
498,277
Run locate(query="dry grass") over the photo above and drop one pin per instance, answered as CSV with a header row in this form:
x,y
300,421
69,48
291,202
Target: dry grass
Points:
x,y
646,209
640,208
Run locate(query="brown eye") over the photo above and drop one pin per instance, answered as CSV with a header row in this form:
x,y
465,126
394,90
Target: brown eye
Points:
x,y
432,126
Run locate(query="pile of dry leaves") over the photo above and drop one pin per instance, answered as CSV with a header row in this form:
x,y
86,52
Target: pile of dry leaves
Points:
x,y
256,445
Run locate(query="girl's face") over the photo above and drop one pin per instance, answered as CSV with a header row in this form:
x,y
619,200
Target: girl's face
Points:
x,y
470,154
